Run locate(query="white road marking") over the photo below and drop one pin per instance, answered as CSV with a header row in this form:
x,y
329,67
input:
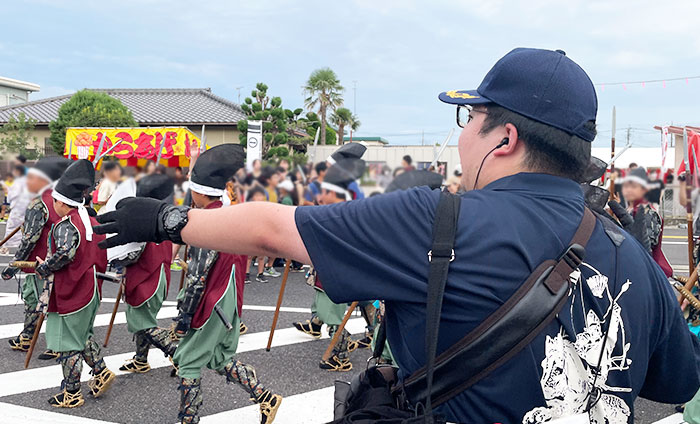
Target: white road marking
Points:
x,y
21,414
102,320
41,378
310,407
684,243
672,419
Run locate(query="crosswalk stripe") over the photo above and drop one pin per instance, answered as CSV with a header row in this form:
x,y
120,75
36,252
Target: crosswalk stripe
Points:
x,y
102,320
310,407
22,414
672,419
33,379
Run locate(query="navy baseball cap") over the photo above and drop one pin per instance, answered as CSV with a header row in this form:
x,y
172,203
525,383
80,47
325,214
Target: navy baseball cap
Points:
x,y
543,85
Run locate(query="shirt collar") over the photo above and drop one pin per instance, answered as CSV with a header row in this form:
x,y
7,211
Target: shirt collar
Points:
x,y
539,185
214,205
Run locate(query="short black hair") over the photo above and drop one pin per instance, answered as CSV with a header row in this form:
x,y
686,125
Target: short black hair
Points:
x,y
633,165
321,167
408,159
21,169
253,191
21,159
549,149
108,166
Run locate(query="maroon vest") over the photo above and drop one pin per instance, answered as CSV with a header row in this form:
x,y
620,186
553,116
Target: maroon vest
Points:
x,y
142,278
217,282
74,284
41,245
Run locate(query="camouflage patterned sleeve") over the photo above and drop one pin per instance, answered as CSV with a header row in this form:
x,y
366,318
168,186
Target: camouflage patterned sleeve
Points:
x,y
655,226
199,264
34,220
66,238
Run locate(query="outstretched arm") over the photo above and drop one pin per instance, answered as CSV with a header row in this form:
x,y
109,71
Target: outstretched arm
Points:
x,y
254,228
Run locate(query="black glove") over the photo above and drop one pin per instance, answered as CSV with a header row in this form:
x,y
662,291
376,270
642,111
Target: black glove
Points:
x,y
184,322
138,219
9,272
621,213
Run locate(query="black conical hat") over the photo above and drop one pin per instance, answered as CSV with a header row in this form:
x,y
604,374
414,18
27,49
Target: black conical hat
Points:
x,y
50,168
596,168
349,150
78,178
155,186
345,171
215,166
416,178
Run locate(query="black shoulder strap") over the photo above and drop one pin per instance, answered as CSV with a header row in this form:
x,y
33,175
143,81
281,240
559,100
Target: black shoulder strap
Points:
x,y
505,332
440,256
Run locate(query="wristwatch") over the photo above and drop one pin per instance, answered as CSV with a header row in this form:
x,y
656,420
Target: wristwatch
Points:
x,y
174,220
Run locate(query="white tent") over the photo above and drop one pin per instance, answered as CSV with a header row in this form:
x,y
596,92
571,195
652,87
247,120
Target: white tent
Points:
x,y
648,157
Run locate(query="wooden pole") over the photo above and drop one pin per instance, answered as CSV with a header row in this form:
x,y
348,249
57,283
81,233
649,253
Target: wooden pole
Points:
x,y
184,270
287,265
114,313
340,329
39,323
9,236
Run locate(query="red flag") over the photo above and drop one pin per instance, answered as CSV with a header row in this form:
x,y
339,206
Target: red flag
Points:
x,y
693,145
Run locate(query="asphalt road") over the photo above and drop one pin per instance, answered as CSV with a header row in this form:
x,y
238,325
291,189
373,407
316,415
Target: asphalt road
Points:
x,y
290,368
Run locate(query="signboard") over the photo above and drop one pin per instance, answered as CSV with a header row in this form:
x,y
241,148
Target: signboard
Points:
x,y
138,144
254,148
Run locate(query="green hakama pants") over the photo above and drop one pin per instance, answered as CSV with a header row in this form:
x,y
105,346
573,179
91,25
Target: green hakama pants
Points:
x,y
211,345
144,316
30,291
70,332
328,312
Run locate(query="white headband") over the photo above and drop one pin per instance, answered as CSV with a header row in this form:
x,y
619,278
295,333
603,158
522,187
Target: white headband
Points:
x,y
39,173
330,160
636,179
206,190
82,212
337,189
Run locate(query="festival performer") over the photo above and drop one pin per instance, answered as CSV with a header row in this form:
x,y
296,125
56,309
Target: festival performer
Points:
x,y
210,309
38,220
646,225
334,189
147,279
73,261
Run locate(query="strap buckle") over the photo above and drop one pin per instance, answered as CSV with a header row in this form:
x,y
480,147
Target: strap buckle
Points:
x,y
430,255
574,255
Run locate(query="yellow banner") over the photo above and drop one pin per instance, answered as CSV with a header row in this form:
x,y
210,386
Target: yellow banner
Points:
x,y
137,144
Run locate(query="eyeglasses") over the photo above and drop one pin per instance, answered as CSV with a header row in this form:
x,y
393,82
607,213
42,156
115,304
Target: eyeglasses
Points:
x,y
464,115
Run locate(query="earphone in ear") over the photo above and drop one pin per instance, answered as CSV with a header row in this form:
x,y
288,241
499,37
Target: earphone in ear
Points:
x,y
503,142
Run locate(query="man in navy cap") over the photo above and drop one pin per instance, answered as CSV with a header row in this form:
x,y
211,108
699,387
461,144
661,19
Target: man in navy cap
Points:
x,y
525,144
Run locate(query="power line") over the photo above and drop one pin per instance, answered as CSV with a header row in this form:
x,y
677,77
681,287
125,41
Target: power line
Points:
x,y
646,81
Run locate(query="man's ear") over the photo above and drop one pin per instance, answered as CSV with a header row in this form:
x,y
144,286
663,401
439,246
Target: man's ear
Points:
x,y
511,133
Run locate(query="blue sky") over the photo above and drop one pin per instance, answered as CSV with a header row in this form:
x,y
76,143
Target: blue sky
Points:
x,y
401,53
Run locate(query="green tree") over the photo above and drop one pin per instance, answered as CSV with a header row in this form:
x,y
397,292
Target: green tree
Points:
x,y
282,127
88,109
323,91
16,134
343,117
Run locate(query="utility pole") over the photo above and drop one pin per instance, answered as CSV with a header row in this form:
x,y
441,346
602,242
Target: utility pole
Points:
x,y
422,138
239,94
629,128
354,97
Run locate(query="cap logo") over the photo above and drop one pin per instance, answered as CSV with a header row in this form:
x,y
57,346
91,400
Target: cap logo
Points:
x,y
457,95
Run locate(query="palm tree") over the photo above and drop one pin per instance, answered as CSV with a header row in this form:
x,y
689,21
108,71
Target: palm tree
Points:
x,y
323,89
343,117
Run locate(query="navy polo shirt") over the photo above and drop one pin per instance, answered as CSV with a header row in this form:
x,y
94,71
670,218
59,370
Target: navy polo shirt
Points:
x,y
377,249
